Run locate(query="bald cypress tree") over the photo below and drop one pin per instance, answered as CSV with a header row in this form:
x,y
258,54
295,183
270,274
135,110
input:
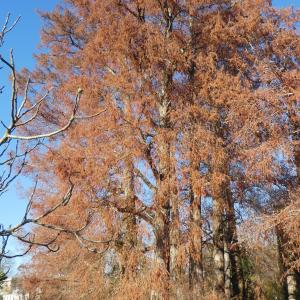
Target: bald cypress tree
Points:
x,y
195,115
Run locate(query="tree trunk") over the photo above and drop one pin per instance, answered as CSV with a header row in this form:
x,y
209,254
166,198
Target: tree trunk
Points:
x,y
292,286
174,219
291,278
130,226
196,276
227,269
218,244
163,196
225,246
232,249
196,266
296,138
224,225
196,245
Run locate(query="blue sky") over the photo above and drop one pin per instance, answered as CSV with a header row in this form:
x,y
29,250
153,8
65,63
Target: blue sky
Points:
x,y
24,40
283,3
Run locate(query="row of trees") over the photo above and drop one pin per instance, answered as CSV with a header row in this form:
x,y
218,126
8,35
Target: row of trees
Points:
x,y
187,185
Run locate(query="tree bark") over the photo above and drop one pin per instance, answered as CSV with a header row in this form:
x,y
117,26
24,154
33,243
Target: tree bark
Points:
x,y
130,225
290,277
174,227
196,276
164,199
227,269
196,266
232,249
218,246
224,225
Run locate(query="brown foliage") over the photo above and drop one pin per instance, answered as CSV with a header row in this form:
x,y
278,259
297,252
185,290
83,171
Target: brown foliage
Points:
x,y
198,137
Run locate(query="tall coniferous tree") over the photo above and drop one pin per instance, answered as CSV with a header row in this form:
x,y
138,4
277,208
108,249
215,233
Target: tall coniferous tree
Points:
x,y
191,89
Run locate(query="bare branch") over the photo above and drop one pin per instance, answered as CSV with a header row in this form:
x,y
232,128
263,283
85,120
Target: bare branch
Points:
x,y
6,29
145,179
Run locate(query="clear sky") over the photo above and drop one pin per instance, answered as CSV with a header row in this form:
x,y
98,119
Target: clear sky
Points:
x,y
24,40
283,3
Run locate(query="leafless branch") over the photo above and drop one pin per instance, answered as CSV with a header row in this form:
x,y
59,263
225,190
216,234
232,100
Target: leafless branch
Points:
x,y
13,162
6,28
145,179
